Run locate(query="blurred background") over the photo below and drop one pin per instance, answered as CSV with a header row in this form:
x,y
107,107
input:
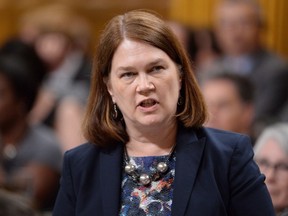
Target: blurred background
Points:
x,y
239,54
195,13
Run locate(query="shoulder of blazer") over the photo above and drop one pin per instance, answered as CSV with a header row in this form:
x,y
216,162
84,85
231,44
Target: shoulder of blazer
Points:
x,y
87,156
83,151
225,144
88,149
80,159
222,137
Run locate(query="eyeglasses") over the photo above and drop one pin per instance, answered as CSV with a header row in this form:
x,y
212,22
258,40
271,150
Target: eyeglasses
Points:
x,y
278,167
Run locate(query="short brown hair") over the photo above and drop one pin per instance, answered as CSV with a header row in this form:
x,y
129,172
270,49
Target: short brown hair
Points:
x,y
147,27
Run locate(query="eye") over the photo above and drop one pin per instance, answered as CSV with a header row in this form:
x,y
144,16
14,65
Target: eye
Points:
x,y
263,163
281,166
127,75
157,68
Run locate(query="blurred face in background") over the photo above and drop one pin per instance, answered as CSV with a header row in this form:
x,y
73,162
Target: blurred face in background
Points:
x,y
273,163
52,47
237,28
226,109
11,108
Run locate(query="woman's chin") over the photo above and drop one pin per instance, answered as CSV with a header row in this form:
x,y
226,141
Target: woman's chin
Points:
x,y
150,121
154,122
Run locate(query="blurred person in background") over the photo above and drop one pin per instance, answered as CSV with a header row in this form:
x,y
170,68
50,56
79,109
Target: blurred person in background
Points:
x,y
200,44
238,28
12,204
229,99
30,156
61,38
271,154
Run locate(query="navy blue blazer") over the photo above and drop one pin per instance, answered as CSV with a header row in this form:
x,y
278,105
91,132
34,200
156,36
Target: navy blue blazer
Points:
x,y
215,176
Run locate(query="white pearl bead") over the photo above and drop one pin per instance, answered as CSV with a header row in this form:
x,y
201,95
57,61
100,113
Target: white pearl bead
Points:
x,y
129,168
162,167
144,179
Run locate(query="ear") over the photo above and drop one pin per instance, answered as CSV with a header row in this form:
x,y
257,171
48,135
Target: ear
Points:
x,y
247,115
109,88
180,83
180,70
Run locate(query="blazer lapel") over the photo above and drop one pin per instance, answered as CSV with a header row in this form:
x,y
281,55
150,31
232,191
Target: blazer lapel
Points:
x,y
110,174
189,152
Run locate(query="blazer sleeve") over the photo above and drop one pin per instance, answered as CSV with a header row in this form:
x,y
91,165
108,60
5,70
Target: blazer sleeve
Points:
x,y
248,193
66,198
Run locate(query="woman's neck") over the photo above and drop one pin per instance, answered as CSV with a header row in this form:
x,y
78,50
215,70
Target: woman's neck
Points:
x,y
153,142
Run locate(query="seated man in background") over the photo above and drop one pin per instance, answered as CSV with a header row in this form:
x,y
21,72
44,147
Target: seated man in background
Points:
x,y
271,154
30,156
238,27
229,99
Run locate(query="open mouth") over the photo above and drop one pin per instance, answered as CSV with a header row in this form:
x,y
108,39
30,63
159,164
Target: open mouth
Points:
x,y
148,103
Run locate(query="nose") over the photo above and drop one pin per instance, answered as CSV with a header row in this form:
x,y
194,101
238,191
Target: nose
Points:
x,y
270,174
144,83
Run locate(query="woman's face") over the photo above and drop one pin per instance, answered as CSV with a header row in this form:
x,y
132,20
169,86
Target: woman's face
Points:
x,y
273,163
145,83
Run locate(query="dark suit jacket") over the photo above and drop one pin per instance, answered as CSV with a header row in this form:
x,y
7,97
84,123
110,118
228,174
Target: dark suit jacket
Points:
x,y
215,176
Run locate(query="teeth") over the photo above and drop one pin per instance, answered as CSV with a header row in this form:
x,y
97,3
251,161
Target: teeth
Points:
x,y
148,103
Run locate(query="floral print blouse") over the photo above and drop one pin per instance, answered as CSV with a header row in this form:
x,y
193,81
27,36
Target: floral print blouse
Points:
x,y
153,199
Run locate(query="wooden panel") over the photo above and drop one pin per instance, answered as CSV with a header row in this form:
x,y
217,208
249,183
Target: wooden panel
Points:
x,y
97,12
277,25
196,13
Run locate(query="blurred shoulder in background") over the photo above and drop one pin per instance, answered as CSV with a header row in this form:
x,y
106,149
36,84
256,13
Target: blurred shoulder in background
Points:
x,y
61,38
30,155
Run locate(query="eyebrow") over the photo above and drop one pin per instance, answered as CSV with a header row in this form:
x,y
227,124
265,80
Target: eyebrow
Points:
x,y
154,62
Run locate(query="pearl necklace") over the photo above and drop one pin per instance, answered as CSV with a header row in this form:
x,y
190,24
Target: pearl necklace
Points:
x,y
144,178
